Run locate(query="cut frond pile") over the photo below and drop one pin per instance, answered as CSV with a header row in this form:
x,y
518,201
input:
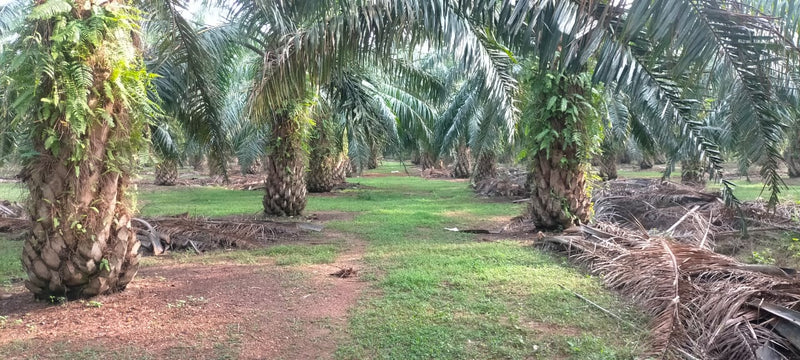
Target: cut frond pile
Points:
x,y
704,305
509,183
13,217
684,213
200,235
10,209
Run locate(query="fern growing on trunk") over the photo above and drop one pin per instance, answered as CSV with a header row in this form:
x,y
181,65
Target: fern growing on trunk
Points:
x,y
78,78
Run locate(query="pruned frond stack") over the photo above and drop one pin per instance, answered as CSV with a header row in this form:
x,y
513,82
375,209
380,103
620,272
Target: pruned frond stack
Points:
x,y
699,300
685,213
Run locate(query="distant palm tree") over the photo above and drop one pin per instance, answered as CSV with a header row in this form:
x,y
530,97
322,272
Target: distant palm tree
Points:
x,y
303,44
659,60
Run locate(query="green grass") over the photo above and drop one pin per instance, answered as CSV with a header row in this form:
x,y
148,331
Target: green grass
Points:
x,y
12,191
445,295
393,167
745,190
198,201
295,254
435,293
749,191
10,264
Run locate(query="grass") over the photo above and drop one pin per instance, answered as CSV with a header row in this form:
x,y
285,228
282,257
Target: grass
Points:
x,y
433,293
745,190
205,201
441,294
294,254
12,191
10,264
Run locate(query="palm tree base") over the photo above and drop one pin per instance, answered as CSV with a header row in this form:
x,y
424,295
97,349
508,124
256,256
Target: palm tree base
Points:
x,y
485,167
325,173
608,167
85,247
166,173
692,173
462,167
558,191
285,185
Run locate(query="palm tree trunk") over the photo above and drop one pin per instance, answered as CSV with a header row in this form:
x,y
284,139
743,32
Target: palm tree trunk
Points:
x,y
198,162
415,158
485,167
81,243
792,155
692,172
254,168
340,173
326,165
462,167
558,189
608,165
166,173
349,168
374,156
559,197
646,163
285,185
426,161
625,156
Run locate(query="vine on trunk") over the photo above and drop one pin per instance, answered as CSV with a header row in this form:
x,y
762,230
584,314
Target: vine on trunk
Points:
x,y
75,74
563,131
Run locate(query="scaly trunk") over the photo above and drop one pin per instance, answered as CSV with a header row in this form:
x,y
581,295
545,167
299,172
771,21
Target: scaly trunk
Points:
x,y
349,168
326,165
607,169
415,158
792,155
254,168
692,173
559,196
374,156
558,189
217,166
646,163
462,167
485,167
198,162
426,161
285,186
340,173
166,173
625,156
81,243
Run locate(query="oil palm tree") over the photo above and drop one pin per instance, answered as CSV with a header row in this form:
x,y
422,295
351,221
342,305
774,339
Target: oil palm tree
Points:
x,y
303,43
76,81
640,50
88,110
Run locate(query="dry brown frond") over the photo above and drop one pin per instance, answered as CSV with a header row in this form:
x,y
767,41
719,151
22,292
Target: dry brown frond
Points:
x,y
698,299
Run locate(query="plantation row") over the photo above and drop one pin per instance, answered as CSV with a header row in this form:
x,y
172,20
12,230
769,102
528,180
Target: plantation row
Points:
x,y
308,91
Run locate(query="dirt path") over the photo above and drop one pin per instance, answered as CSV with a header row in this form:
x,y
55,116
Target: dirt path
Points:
x,y
194,311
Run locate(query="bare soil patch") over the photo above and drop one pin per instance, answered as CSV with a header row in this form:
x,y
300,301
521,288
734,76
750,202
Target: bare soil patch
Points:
x,y
176,311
